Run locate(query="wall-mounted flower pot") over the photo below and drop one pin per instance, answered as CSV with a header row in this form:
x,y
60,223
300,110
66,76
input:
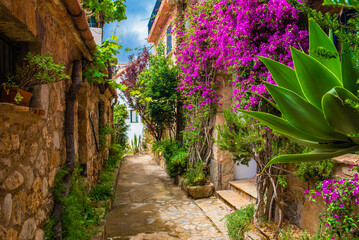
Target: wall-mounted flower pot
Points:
x,y
8,94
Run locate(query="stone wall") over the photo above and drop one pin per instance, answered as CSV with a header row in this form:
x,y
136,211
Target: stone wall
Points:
x,y
94,110
222,166
297,210
32,150
32,141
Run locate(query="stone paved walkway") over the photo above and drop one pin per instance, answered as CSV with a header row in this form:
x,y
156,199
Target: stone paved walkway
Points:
x,y
149,206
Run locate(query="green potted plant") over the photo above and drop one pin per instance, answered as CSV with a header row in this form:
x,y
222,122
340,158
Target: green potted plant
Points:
x,y
37,70
196,183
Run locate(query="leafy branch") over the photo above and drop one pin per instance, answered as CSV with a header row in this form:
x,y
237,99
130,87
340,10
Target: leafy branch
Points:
x,y
106,54
106,10
37,70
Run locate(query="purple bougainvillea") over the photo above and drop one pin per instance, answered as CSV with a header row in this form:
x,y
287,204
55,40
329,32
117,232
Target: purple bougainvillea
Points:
x,y
228,35
341,196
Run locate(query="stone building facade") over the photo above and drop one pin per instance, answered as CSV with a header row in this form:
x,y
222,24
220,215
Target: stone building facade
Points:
x,y
32,139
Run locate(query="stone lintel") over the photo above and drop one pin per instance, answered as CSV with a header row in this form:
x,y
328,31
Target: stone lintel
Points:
x,y
12,27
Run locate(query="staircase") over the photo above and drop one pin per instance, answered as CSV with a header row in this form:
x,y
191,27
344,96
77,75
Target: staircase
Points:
x,y
242,192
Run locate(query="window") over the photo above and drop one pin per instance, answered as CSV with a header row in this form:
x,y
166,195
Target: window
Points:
x,y
7,58
133,116
169,39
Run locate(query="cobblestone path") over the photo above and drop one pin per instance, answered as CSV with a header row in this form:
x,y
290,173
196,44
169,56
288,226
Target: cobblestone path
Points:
x,y
149,206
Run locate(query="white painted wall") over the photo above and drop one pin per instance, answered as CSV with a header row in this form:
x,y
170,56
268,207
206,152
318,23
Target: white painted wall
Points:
x,y
135,128
242,171
97,34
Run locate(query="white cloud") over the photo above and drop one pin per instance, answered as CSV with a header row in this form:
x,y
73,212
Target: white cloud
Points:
x,y
135,24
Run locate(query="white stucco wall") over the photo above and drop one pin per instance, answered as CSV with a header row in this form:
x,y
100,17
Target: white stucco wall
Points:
x,y
243,171
97,34
135,128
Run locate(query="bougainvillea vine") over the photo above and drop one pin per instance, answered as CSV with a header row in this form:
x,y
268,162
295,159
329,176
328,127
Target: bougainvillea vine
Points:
x,y
227,36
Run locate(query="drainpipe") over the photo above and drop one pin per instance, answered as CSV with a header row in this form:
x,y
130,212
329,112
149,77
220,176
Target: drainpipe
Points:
x,y
79,18
70,162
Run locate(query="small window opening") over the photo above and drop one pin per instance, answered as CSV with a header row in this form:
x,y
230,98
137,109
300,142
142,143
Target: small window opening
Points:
x,y
133,116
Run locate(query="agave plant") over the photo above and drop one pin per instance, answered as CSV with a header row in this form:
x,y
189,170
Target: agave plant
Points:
x,y
342,3
315,100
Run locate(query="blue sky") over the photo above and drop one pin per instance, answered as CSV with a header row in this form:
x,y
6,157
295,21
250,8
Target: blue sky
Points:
x,y
133,31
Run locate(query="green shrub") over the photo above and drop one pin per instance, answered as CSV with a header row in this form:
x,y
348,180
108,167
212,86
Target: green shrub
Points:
x,y
116,154
238,222
317,171
104,131
288,235
195,176
167,147
102,191
120,114
80,218
174,154
176,165
155,147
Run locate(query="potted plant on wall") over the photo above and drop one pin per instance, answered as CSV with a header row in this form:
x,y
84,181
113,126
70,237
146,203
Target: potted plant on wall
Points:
x,y
196,182
37,70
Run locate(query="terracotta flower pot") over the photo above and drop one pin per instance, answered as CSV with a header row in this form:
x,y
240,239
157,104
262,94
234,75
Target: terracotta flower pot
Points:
x,y
8,95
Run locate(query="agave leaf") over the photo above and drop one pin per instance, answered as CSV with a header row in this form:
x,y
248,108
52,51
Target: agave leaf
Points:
x,y
322,48
339,114
310,73
301,114
311,157
350,72
284,127
283,75
342,3
355,140
333,146
331,36
267,100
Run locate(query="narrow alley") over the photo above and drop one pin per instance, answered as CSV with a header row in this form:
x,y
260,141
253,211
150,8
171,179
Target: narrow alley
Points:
x,y
149,206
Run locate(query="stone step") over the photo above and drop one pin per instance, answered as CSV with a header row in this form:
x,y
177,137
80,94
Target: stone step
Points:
x,y
246,188
232,199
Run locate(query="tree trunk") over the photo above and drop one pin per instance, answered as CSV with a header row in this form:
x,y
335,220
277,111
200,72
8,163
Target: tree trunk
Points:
x,y
179,121
70,144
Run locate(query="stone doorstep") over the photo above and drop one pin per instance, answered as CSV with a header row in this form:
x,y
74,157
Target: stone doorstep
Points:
x,y
246,188
232,199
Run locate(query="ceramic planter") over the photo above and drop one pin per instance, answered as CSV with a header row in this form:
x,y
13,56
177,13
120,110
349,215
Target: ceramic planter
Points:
x,y
8,95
